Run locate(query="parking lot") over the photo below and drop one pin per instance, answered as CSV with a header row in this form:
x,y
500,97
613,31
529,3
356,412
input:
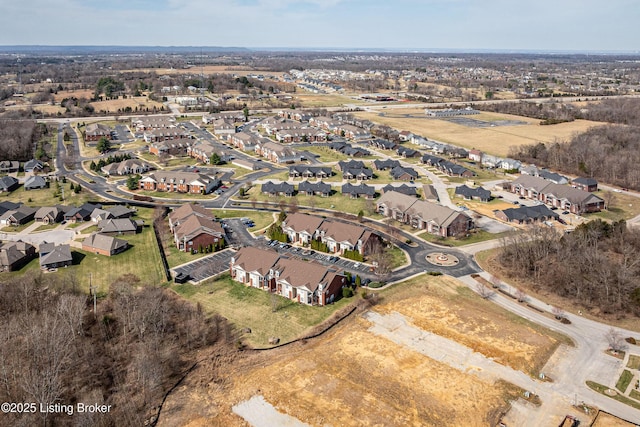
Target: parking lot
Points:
x,y
121,134
320,257
206,267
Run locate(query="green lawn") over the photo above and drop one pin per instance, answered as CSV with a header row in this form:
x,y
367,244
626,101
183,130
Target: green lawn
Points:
x,y
475,236
634,362
253,308
337,201
17,228
176,257
398,257
142,259
624,380
44,197
326,154
634,394
46,227
623,206
602,388
174,195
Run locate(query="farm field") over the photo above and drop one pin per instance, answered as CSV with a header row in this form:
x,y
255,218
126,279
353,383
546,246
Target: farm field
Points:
x,y
381,382
493,139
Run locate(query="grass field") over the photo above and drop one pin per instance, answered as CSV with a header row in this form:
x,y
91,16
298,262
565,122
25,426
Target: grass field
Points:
x,y
634,362
260,219
253,308
312,100
623,206
337,201
44,197
624,380
493,140
475,236
138,104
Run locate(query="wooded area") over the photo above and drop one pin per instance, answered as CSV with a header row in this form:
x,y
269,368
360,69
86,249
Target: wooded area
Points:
x,y
129,354
17,139
597,265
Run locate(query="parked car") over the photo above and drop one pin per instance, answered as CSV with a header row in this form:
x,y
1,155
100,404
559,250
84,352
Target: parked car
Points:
x,y
356,265
516,202
565,213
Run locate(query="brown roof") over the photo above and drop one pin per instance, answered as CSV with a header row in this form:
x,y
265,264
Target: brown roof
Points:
x,y
104,242
300,273
254,259
341,232
303,222
187,210
195,224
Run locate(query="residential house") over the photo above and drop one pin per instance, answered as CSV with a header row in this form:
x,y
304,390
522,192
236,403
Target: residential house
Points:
x,y
224,127
405,136
407,152
49,214
423,215
100,215
585,184
52,256
351,132
252,266
96,131
385,164
300,134
196,233
361,190
301,228
469,193
314,188
361,174
244,141
340,237
177,216
103,244
302,171
527,214
179,182
166,134
400,173
8,184
403,188
561,196
35,182
348,149
172,146
8,206
33,165
453,169
475,155
119,226
278,189
305,282
383,144
143,123
19,216
14,255
351,164
429,193
9,166
120,211
126,167
277,153
82,213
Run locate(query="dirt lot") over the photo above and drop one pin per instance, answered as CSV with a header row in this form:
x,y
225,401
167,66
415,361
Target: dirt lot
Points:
x,y
607,420
351,376
494,140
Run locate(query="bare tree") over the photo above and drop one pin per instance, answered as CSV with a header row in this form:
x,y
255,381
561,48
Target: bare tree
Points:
x,y
558,313
615,340
521,296
483,291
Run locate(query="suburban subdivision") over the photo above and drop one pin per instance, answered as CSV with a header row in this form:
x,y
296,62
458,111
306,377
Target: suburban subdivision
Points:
x,y
204,237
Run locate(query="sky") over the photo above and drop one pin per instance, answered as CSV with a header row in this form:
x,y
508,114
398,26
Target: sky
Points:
x,y
495,25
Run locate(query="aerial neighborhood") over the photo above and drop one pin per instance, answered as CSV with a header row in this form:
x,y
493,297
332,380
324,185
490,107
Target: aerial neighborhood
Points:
x,y
376,227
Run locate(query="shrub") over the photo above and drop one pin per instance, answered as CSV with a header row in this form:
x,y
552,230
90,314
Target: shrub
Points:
x,y
434,273
631,340
347,292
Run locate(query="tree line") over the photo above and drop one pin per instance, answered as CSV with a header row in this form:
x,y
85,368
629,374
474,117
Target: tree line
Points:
x,y
597,265
128,354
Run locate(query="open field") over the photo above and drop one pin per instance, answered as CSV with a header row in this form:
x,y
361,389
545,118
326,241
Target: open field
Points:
x,y
380,382
312,100
44,197
336,201
494,140
78,93
136,103
623,206
253,308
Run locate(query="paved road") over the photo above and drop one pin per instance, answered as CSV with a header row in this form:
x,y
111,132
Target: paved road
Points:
x,y
587,361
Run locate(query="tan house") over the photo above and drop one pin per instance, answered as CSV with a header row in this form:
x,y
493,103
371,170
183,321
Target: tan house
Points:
x,y
103,244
